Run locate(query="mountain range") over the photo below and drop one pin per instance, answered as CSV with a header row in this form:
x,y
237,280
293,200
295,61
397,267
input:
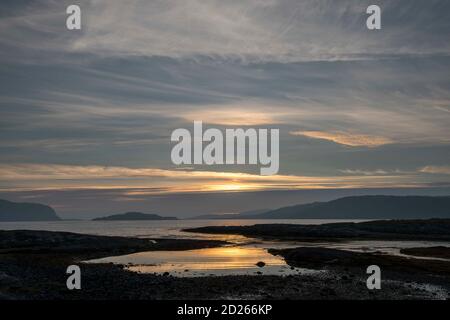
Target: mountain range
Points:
x,y
365,207
355,207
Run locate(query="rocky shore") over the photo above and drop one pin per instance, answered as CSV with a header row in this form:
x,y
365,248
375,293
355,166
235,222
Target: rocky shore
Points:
x,y
325,258
84,246
432,229
432,252
33,266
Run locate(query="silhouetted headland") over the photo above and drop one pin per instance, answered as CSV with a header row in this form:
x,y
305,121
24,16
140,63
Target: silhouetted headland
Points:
x,y
362,207
131,216
431,229
15,211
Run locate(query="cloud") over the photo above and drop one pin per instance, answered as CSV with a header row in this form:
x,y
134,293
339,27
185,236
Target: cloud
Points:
x,y
284,30
256,30
112,93
436,169
239,114
345,138
51,176
365,172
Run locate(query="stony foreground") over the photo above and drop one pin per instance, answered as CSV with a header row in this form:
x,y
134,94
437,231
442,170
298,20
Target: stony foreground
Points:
x,y
33,266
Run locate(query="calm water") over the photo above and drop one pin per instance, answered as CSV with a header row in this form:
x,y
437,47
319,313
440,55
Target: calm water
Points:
x,y
150,229
238,258
229,260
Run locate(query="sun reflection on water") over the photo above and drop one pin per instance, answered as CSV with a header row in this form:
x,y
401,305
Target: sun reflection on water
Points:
x,y
215,261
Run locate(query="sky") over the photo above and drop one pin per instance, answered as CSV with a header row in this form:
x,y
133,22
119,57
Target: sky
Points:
x,y
86,115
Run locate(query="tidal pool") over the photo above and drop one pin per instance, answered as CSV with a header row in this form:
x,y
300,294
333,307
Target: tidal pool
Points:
x,y
220,261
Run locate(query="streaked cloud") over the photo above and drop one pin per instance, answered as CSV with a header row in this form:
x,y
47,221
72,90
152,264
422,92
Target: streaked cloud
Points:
x,y
345,138
256,30
50,176
436,169
232,116
366,172
102,102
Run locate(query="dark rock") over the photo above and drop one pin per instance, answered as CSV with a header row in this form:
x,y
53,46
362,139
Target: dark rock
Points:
x,y
13,211
430,229
130,216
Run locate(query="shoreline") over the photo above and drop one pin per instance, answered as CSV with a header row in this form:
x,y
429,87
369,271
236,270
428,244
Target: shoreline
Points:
x,y
33,265
390,230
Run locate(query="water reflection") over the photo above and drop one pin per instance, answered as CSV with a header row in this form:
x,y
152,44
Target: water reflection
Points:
x,y
202,262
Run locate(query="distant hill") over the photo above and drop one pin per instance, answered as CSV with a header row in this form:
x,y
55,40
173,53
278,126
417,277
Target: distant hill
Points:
x,y
14,211
134,216
243,215
366,207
